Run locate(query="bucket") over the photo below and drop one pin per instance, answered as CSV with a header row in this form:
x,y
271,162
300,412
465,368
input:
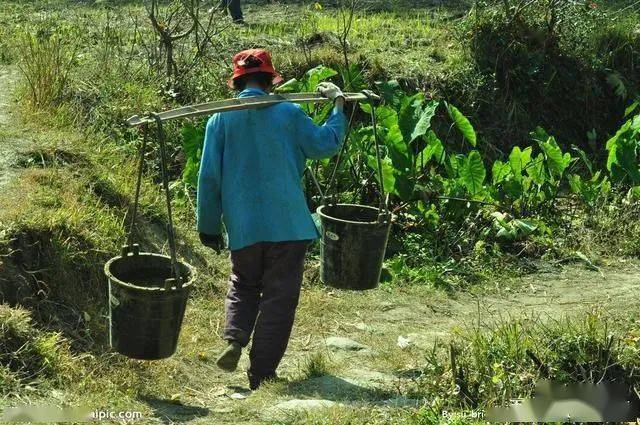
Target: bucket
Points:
x,y
145,306
352,246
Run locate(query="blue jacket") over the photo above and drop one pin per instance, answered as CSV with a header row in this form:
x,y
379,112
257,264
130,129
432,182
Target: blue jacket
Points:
x,y
251,171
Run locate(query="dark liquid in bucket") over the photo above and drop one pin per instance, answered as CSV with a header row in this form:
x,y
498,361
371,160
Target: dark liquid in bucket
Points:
x,y
360,215
146,278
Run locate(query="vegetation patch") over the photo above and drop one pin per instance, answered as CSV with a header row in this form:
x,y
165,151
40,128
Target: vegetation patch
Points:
x,y
54,157
495,363
29,356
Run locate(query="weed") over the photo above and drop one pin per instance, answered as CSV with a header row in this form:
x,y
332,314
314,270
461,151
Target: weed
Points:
x,y
494,363
46,63
315,365
28,355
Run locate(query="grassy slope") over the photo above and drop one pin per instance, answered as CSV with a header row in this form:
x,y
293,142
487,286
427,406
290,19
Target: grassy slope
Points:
x,y
77,200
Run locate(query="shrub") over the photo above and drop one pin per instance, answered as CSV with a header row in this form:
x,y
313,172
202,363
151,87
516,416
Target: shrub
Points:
x,y
46,60
560,65
495,363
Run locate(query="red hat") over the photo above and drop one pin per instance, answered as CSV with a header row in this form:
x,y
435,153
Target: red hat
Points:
x,y
251,61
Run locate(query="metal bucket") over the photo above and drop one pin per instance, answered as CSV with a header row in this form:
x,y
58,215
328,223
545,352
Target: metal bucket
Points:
x,y
146,307
353,244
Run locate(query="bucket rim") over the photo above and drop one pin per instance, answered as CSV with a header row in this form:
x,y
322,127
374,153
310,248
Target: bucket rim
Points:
x,y
364,223
187,285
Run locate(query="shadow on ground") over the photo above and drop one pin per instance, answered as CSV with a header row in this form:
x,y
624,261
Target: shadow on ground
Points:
x,y
169,411
329,387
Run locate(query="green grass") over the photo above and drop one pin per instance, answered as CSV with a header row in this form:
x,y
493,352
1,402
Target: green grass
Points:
x,y
30,356
67,212
501,360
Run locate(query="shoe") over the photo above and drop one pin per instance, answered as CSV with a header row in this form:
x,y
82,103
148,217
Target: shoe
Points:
x,y
228,360
239,21
255,381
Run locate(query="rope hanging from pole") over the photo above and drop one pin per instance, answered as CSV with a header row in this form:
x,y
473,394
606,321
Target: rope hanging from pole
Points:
x,y
384,198
134,217
165,185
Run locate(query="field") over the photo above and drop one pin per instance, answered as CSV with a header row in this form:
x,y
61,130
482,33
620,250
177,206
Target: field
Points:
x,y
510,134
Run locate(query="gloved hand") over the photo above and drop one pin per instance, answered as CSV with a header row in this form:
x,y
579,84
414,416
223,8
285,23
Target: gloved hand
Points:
x,y
215,242
330,90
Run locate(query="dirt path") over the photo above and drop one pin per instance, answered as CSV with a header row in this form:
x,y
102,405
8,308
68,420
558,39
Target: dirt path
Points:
x,y
358,333
10,142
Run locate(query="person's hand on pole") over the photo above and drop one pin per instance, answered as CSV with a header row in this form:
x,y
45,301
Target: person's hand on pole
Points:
x,y
331,91
215,242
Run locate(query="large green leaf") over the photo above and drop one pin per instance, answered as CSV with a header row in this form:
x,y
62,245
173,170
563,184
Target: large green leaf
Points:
x,y
386,116
556,161
434,149
192,140
614,142
353,78
536,170
361,138
309,82
410,111
472,172
192,143
589,190
518,160
291,86
511,229
190,173
424,123
526,227
398,150
390,91
631,108
514,189
453,165
500,171
623,154
388,175
540,135
317,75
463,124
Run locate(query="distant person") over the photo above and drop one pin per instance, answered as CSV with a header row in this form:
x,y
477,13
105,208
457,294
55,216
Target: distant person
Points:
x,y
250,178
234,9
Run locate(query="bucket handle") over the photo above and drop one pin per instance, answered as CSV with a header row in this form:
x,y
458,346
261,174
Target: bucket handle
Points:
x,y
383,208
384,199
165,184
130,246
134,248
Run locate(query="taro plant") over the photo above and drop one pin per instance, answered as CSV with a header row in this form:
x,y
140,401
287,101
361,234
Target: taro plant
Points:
x,y
404,129
432,181
622,148
192,144
308,83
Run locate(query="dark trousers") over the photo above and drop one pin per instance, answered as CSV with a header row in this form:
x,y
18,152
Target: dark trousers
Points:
x,y
263,295
234,8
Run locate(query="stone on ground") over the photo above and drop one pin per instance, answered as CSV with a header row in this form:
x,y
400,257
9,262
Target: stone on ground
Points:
x,y
370,378
292,406
402,401
342,343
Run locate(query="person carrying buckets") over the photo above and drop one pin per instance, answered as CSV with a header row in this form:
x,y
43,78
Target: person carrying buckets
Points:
x,y
250,178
